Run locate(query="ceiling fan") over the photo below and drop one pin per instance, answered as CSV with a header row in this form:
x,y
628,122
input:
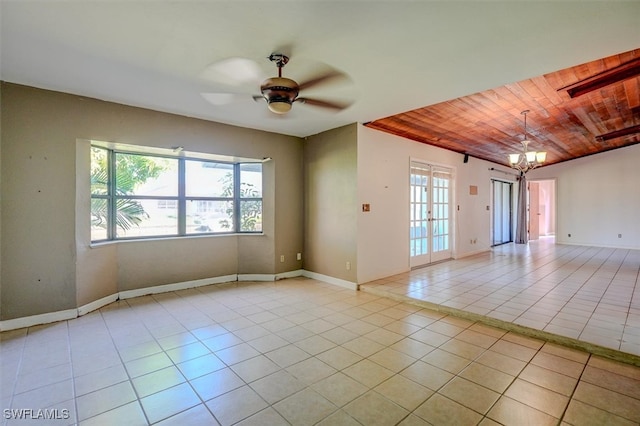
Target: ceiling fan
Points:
x,y
279,92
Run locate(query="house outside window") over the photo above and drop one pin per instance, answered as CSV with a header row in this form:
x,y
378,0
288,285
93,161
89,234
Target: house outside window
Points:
x,y
140,195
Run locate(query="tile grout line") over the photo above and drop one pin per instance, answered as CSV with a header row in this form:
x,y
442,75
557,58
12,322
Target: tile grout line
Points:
x,y
122,362
633,292
503,394
248,384
485,415
175,365
17,375
509,326
604,292
576,291
573,391
73,377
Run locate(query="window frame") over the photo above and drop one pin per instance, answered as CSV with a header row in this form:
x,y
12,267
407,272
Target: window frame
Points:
x,y
181,199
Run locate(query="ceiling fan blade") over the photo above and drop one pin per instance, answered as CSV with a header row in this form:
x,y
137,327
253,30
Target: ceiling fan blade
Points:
x,y
325,104
323,78
233,71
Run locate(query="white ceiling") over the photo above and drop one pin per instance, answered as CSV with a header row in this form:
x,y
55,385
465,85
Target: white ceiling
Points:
x,y
399,54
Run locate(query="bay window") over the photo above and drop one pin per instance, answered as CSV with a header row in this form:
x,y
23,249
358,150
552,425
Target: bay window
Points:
x,y
142,195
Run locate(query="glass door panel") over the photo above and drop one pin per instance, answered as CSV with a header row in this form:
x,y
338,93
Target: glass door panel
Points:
x,y
501,212
419,231
430,218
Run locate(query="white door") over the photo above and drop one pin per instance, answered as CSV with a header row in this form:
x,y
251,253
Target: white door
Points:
x,y
430,221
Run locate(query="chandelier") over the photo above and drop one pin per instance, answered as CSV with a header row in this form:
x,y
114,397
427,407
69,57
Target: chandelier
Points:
x,y
526,160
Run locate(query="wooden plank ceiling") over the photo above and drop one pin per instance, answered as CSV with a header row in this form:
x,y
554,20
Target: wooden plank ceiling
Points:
x,y
575,112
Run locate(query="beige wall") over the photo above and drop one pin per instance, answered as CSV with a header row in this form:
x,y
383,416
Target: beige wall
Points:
x,y
48,264
598,198
289,198
383,182
330,188
313,192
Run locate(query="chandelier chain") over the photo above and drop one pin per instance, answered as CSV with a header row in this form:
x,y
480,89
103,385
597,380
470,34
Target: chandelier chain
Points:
x,y
526,160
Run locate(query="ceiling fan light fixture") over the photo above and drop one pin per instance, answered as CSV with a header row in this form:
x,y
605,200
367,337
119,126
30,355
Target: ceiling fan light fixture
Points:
x,y
279,106
280,93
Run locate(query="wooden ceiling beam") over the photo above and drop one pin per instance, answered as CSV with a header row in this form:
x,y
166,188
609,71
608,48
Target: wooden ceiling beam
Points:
x,y
614,75
619,133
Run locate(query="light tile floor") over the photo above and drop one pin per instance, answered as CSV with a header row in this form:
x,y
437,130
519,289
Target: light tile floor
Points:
x,y
299,352
589,295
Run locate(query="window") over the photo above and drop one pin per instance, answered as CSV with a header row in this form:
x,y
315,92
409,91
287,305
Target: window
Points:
x,y
140,195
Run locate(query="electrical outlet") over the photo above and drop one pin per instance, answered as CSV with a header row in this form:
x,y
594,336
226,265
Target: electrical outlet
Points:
x,y
348,266
299,256
282,258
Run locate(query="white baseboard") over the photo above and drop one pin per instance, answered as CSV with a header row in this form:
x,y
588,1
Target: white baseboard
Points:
x,y
290,274
256,277
97,304
331,280
471,253
270,277
583,244
32,320
68,314
128,294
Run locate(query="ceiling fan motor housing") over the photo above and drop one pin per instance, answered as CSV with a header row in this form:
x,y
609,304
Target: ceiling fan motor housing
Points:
x,y
280,93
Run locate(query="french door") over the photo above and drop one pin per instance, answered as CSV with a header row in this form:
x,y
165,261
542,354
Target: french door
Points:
x,y
502,212
430,217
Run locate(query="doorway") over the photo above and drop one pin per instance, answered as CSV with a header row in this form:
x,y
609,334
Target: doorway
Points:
x,y
430,217
502,212
542,208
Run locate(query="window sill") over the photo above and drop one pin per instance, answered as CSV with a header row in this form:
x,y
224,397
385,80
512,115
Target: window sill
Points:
x,y
99,244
